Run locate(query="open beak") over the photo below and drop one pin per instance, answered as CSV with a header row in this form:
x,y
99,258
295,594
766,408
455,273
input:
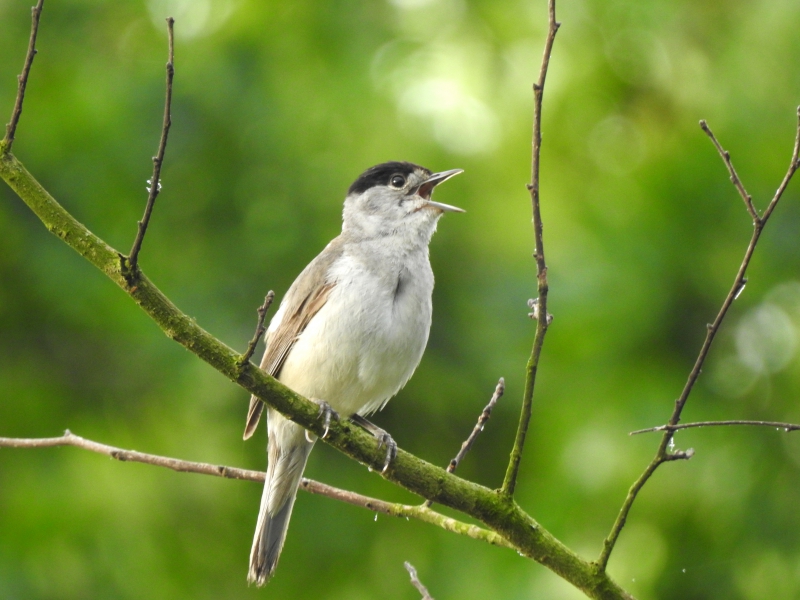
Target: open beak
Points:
x,y
426,189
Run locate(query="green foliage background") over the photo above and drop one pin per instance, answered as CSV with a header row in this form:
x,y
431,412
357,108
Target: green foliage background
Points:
x,y
278,106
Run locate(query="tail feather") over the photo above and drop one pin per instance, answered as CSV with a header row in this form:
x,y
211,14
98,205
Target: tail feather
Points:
x,y
286,464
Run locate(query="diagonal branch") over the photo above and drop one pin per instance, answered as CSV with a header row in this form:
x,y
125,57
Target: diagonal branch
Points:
x,y
795,164
154,183
260,329
726,157
314,487
412,572
22,80
543,319
498,512
664,453
476,431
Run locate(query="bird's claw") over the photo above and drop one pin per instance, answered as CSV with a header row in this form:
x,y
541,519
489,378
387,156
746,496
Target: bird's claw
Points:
x,y
384,439
326,412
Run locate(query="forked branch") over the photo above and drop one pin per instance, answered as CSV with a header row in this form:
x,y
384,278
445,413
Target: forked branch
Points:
x,y
664,452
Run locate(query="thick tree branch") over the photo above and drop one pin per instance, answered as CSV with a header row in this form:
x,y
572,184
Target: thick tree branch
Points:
x,y
408,511
22,80
496,511
314,487
131,265
543,319
664,452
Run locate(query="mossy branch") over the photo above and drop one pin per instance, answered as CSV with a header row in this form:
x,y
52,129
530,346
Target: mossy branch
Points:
x,y
497,511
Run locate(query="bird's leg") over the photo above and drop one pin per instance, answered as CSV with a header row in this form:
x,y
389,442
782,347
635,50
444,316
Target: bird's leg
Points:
x,y
326,412
383,437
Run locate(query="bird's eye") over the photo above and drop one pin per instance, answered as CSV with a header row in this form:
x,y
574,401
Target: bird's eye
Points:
x,y
398,181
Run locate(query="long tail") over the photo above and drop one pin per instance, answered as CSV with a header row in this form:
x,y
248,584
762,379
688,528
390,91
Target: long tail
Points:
x,y
288,452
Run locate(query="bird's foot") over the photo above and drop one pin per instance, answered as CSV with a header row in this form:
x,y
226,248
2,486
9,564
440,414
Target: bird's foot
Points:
x,y
383,437
326,413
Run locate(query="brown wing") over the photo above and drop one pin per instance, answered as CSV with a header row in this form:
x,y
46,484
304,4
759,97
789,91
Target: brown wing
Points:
x,y
281,342
305,298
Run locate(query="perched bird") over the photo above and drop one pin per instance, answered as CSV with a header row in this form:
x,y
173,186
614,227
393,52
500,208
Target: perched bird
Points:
x,y
350,331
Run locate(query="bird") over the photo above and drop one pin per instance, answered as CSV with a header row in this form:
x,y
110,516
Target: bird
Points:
x,y
349,332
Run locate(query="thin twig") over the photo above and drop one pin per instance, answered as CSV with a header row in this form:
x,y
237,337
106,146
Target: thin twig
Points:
x,y
314,487
775,424
726,158
416,582
154,184
22,79
543,320
664,452
260,329
788,177
476,431
183,466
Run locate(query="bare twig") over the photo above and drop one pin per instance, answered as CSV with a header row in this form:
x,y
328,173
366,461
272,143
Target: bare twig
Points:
x,y
260,329
184,466
789,173
726,157
154,184
22,79
313,487
775,424
416,582
476,431
664,453
543,320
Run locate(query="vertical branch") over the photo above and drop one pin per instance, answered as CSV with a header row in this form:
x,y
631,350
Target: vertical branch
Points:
x,y
664,452
154,184
540,308
22,79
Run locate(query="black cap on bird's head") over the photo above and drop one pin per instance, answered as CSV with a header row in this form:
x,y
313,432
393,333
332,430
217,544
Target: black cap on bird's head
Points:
x,y
382,174
407,178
